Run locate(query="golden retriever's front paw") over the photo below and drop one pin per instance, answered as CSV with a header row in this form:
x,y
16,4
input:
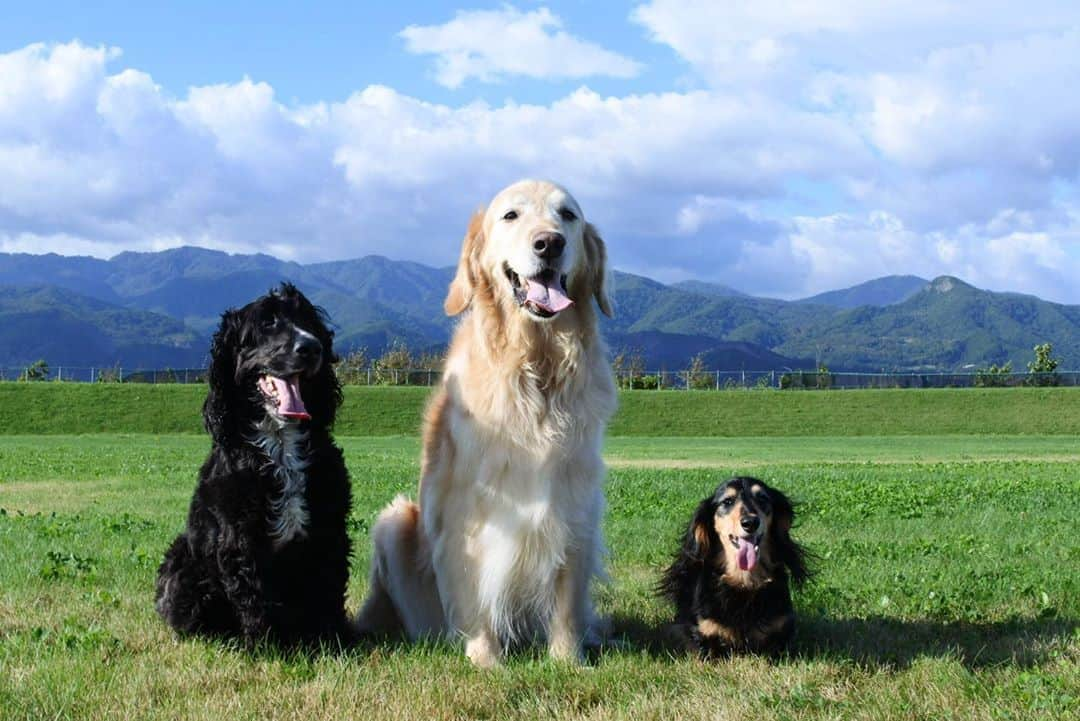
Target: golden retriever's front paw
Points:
x,y
483,652
566,650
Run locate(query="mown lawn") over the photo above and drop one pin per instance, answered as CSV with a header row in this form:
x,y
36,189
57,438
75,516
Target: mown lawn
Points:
x,y
947,587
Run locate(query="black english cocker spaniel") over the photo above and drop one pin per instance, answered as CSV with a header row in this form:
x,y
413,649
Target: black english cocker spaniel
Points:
x,y
730,580
265,554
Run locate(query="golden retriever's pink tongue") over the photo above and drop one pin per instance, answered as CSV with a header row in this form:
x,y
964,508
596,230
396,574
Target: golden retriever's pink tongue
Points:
x,y
747,555
290,404
548,295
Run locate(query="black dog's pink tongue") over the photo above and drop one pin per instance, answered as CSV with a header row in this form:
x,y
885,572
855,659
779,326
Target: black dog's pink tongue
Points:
x,y
547,294
747,555
290,404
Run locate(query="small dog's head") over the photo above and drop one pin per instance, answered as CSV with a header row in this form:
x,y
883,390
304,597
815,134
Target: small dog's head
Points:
x,y
271,359
745,529
531,249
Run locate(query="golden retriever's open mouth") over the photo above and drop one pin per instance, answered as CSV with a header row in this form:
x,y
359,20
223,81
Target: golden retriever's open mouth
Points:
x,y
543,295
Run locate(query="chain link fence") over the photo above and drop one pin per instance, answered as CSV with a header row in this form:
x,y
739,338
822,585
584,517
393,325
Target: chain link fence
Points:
x,y
783,379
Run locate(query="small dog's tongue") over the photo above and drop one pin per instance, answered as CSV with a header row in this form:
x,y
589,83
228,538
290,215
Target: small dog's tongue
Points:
x,y
290,404
547,294
747,555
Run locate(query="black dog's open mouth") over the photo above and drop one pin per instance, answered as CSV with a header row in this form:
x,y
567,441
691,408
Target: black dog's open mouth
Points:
x,y
748,551
543,295
284,395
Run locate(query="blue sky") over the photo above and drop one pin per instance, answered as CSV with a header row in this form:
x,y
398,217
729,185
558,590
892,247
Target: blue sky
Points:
x,y
777,148
312,52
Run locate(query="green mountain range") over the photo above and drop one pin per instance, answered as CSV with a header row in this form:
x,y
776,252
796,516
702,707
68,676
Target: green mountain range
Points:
x,y
159,309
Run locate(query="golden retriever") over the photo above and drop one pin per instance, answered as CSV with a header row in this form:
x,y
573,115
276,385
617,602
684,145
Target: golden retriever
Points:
x,y
506,540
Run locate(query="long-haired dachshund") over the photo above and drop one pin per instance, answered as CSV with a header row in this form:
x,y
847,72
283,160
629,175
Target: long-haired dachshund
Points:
x,y
729,581
266,552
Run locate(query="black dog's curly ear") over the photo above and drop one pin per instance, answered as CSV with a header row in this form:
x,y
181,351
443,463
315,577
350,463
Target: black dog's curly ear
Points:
x,y
701,536
223,401
788,552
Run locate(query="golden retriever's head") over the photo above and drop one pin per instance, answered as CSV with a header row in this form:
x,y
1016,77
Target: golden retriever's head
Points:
x,y
531,250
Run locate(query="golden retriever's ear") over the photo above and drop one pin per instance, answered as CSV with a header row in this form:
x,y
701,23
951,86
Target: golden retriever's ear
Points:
x,y
596,255
460,294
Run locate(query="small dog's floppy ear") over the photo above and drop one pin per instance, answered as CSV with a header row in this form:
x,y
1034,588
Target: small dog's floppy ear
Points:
x,y
701,535
788,552
222,400
596,256
464,283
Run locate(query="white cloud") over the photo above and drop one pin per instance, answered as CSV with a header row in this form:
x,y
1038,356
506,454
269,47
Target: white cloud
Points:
x,y
962,160
492,45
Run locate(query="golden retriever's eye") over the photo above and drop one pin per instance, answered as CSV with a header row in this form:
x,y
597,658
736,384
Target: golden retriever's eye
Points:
x,y
567,215
510,215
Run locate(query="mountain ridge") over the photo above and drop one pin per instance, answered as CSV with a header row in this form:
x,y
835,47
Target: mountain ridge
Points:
x,y
176,298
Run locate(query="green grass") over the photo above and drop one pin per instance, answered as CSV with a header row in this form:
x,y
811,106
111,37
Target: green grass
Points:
x,y
947,587
69,408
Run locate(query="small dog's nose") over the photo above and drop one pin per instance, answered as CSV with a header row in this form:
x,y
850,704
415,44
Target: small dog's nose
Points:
x,y
548,245
749,523
307,346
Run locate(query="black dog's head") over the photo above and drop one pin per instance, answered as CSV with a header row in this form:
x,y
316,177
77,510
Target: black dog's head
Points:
x,y
744,528
272,358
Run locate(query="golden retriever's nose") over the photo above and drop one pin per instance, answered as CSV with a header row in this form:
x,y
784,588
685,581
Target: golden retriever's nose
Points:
x,y
548,245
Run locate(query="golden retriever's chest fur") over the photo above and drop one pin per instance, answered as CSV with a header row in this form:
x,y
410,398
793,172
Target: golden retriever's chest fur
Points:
x,y
523,482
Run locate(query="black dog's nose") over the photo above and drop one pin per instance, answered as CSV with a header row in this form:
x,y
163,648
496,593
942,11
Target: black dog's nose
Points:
x,y
307,346
749,523
549,245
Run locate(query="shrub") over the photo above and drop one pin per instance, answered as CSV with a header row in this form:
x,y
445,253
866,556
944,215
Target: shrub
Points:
x,y
1043,370
697,376
36,371
353,368
994,376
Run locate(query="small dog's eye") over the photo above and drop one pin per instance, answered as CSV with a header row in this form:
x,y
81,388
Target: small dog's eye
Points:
x,y
269,324
510,215
728,502
567,215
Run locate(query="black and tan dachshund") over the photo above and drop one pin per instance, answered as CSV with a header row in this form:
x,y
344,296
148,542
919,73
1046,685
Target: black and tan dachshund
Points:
x,y
730,580
265,554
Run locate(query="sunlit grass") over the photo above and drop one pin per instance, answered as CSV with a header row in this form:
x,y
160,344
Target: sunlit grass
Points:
x,y
947,587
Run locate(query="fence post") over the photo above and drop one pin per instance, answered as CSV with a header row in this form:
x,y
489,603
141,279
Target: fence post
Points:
x,y
120,374
59,373
717,380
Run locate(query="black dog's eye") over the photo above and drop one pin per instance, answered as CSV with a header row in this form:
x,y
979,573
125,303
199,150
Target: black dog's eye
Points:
x,y
728,502
567,215
268,324
510,215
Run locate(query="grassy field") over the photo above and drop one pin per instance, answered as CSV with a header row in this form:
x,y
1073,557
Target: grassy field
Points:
x,y
67,408
947,587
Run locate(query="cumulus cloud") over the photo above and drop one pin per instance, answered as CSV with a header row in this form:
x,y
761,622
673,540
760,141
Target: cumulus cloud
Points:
x,y
492,45
960,159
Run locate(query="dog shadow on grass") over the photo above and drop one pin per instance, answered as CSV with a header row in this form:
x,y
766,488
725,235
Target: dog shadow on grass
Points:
x,y
883,642
879,641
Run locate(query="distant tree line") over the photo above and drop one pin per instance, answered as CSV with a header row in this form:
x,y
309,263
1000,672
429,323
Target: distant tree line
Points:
x,y
398,365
